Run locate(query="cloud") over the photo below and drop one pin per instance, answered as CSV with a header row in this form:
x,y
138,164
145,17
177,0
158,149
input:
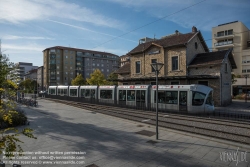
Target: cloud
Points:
x,y
205,15
85,29
30,10
13,37
10,48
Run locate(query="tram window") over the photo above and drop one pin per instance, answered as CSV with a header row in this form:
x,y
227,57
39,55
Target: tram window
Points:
x,y
198,98
106,94
82,92
161,97
210,99
122,95
171,97
73,92
65,91
87,93
59,92
167,97
92,93
140,95
52,91
131,95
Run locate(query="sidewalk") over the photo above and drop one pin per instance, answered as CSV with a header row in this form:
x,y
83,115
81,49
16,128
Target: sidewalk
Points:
x,y
114,142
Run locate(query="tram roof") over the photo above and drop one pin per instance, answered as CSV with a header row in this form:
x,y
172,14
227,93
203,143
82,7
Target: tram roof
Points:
x,y
88,87
133,86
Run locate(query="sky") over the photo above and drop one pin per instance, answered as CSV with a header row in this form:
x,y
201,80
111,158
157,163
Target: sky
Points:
x,y
27,27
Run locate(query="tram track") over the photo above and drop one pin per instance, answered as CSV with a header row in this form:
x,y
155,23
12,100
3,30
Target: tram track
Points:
x,y
226,129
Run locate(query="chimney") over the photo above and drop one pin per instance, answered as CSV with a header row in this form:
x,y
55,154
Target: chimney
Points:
x,y
194,29
176,32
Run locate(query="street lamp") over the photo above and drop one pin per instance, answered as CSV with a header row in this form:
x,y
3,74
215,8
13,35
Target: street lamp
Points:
x,y
35,84
246,89
157,67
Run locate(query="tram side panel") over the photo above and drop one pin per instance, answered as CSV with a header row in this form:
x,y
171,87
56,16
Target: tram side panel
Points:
x,y
107,94
133,95
88,93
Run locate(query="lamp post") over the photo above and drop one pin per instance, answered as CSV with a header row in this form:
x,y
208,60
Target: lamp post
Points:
x,y
157,67
35,83
246,89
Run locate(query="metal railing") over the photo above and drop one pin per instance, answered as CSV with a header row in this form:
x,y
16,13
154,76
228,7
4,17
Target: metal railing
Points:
x,y
219,114
223,43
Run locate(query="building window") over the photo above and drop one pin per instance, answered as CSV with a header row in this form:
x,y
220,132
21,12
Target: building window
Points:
x,y
125,83
174,63
66,57
153,83
153,61
225,67
57,67
175,83
102,65
97,65
248,44
58,72
58,78
102,61
71,68
137,67
107,70
93,64
244,71
195,45
102,70
66,73
137,83
203,83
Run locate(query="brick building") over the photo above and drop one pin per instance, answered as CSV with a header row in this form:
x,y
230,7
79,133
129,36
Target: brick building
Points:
x,y
178,52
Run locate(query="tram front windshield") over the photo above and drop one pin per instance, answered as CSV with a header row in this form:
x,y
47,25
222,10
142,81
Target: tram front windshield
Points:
x,y
198,98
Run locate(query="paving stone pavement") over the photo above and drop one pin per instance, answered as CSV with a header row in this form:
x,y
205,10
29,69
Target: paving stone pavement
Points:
x,y
113,142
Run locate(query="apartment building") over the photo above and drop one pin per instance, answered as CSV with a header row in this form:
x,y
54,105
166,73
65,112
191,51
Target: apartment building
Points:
x,y
32,75
62,64
186,60
40,79
237,36
21,69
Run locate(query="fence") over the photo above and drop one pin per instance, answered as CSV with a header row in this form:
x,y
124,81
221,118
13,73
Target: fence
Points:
x,y
237,116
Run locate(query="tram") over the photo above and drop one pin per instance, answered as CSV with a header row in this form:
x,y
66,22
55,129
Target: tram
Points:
x,y
177,98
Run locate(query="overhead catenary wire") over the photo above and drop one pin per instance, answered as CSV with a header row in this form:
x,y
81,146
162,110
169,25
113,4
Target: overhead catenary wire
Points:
x,y
150,23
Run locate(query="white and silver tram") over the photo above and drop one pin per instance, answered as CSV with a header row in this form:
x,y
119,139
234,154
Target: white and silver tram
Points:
x,y
183,98
88,92
133,95
179,98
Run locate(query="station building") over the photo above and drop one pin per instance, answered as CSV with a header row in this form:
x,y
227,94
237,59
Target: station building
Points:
x,y
186,60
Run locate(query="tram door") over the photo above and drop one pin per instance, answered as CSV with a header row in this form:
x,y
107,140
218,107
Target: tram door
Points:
x,y
122,97
183,101
140,98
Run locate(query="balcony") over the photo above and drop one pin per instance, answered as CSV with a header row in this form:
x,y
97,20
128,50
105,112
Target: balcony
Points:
x,y
223,36
224,44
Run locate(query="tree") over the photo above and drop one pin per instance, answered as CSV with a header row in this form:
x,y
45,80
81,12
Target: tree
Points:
x,y
233,78
112,79
5,69
29,85
9,117
97,78
78,81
